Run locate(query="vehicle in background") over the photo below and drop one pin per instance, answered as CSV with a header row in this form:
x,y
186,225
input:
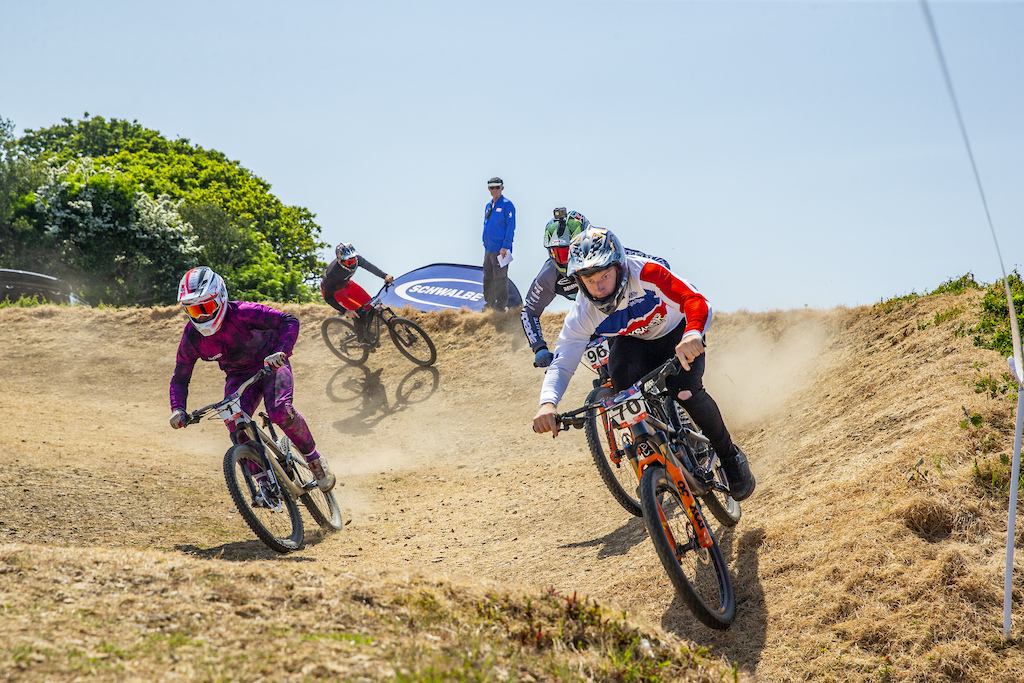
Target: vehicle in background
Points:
x,y
16,284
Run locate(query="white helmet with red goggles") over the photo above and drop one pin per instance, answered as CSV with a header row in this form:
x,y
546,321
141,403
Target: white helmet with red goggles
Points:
x,y
204,297
347,255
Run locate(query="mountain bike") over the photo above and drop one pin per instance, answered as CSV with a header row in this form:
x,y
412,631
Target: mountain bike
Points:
x,y
673,463
607,441
265,477
341,338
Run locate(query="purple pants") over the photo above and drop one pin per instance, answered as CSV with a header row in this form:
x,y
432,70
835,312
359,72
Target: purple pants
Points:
x,y
276,392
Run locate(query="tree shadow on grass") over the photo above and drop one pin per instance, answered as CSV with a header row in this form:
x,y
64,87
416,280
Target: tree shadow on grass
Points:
x,y
618,542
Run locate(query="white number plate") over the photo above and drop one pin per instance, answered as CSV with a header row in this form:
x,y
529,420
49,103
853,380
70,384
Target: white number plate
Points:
x,y
596,354
628,413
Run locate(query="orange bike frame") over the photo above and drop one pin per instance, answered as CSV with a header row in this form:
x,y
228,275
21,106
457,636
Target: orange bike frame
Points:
x,y
689,502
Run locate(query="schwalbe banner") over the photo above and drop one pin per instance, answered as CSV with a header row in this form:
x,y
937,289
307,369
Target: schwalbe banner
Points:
x,y
443,286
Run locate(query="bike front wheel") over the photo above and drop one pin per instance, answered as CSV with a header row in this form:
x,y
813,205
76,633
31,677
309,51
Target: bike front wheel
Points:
x,y
341,338
619,477
699,574
269,510
412,341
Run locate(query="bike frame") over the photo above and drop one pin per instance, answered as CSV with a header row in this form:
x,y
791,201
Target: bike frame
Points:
x,y
650,448
230,411
380,314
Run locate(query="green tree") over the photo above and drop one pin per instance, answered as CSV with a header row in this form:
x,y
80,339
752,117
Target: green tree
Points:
x,y
202,180
126,247
19,176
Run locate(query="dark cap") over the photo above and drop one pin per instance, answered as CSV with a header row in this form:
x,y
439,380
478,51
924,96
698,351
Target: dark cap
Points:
x,y
495,182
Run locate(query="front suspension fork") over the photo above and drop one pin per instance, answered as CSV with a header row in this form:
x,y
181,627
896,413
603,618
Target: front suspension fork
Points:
x,y
664,456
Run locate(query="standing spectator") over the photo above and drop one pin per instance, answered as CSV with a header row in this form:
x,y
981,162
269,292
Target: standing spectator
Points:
x,y
499,229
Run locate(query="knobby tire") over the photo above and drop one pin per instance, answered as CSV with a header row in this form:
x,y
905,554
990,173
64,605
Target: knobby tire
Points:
x,y
412,341
722,506
719,503
619,478
699,575
280,530
323,507
340,336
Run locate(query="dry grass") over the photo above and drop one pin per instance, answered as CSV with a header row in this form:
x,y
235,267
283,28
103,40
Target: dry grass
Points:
x,y
873,549
137,615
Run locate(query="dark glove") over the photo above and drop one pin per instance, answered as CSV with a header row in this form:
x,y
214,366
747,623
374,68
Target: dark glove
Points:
x,y
543,358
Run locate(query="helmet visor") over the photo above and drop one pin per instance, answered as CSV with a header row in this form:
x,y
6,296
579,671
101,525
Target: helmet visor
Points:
x,y
202,312
560,255
350,262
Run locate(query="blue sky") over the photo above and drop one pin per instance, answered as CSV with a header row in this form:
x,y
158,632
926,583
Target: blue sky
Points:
x,y
779,154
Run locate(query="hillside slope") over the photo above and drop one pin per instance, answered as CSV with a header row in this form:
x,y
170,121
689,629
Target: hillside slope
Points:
x,y
870,551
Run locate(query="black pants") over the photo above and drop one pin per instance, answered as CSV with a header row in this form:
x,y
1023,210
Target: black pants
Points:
x,y
362,321
630,358
495,282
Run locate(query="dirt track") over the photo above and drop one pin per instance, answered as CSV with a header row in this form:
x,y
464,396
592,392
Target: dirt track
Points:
x,y
839,558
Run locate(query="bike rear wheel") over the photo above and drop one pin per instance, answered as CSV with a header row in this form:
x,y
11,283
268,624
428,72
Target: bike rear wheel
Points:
x,y
270,512
341,338
412,341
619,477
699,574
323,507
722,506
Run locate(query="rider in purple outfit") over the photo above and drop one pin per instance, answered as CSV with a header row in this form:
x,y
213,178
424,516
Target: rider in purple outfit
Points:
x,y
242,337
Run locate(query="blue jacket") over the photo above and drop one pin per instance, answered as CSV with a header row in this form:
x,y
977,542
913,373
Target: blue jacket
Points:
x,y
499,225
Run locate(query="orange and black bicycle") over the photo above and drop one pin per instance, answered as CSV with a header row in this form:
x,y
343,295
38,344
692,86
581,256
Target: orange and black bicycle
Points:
x,y
642,433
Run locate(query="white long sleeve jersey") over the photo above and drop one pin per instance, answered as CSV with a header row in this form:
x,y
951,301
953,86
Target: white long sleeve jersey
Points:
x,y
655,303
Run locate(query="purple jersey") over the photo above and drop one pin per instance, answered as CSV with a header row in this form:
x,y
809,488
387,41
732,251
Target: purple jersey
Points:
x,y
250,332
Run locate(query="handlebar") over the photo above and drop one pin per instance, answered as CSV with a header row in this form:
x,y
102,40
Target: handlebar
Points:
x,y
656,376
197,415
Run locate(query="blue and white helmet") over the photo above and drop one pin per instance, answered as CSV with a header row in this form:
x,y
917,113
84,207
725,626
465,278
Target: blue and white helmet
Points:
x,y
591,251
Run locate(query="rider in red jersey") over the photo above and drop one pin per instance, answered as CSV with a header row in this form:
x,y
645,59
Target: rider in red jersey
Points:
x,y
346,296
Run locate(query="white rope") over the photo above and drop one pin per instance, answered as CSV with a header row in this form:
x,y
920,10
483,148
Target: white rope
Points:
x,y
1015,361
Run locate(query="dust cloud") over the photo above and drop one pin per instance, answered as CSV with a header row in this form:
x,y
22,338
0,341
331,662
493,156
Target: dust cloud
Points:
x,y
762,361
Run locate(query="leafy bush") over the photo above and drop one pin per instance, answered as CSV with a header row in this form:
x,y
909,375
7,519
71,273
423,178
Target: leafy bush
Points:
x,y
958,285
133,248
993,329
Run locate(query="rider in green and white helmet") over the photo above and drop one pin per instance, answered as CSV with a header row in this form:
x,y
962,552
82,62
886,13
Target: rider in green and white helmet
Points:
x,y
559,232
552,278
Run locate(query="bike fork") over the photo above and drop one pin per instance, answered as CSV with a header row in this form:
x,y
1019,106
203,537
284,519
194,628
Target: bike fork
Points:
x,y
693,510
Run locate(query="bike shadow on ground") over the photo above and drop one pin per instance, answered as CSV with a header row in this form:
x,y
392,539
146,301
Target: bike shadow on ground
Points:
x,y
363,390
618,542
744,641
245,551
